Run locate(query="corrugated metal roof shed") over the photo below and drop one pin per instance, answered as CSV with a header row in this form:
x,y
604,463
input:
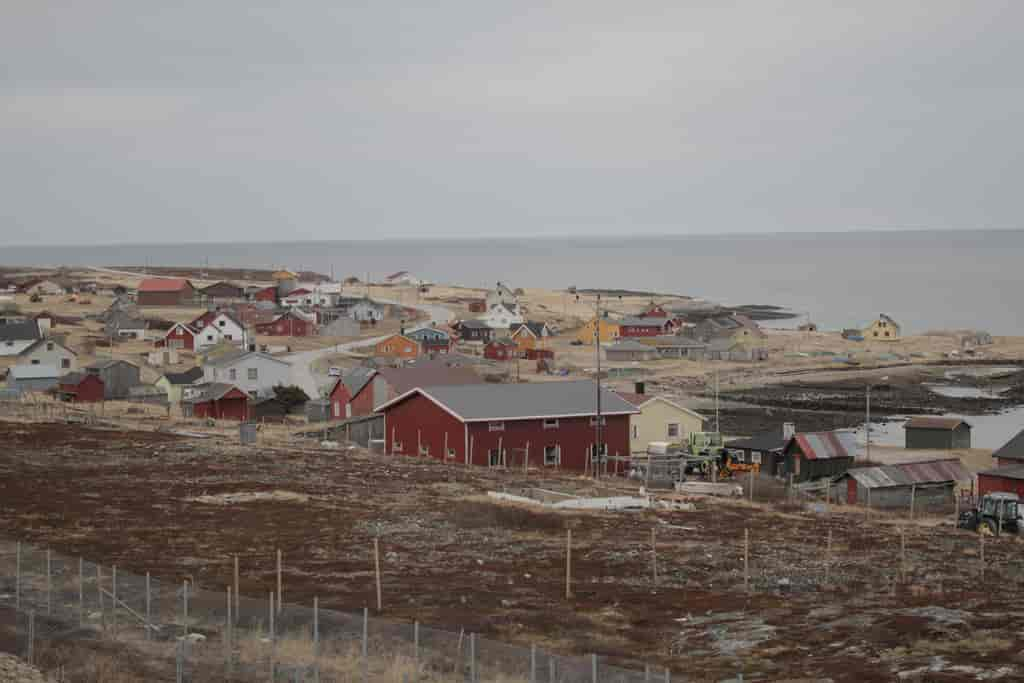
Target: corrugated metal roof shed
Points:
x,y
928,422
826,445
911,473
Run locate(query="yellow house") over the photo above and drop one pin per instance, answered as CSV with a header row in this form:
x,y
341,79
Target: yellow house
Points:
x,y
530,335
609,331
660,420
883,329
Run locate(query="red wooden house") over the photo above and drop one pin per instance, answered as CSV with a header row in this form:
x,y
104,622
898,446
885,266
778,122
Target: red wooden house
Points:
x,y
180,336
500,349
1005,479
549,424
288,325
345,388
167,291
81,387
216,400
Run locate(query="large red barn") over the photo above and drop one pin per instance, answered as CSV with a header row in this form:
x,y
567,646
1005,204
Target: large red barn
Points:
x,y
553,424
1008,479
216,400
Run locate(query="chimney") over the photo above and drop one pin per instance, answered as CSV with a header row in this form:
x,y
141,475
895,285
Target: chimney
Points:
x,y
640,388
788,430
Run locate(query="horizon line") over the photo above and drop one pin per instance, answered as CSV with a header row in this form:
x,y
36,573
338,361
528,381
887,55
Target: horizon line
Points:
x,y
454,238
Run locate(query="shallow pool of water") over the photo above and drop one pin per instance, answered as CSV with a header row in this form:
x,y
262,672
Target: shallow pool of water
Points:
x,y
989,431
965,392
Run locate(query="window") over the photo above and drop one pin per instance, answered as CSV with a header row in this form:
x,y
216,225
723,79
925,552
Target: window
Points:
x,y
876,333
494,457
604,450
886,333
593,421
397,446
636,431
35,361
451,452
49,346
552,456
65,363
228,337
337,409
551,424
424,449
673,430
220,324
387,348
209,337
755,458
253,373
495,426
232,374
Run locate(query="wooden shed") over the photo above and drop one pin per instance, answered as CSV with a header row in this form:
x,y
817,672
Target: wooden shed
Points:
x,y
815,455
942,433
929,484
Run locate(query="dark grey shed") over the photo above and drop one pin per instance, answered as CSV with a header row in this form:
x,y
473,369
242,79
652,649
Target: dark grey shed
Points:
x,y
940,433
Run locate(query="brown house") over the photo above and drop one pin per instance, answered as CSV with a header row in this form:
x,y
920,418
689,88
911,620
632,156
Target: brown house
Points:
x,y
166,291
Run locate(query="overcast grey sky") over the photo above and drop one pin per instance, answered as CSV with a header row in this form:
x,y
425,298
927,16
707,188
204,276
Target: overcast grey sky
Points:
x,y
126,120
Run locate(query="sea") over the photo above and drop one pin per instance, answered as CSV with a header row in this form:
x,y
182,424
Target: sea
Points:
x,y
926,280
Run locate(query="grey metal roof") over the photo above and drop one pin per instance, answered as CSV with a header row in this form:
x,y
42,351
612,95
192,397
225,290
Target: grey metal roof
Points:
x,y
187,377
911,473
33,346
21,331
480,402
475,324
108,363
536,328
630,345
1012,449
765,441
674,341
357,378
235,355
210,391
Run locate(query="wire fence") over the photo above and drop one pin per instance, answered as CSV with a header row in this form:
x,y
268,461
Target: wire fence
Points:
x,y
58,612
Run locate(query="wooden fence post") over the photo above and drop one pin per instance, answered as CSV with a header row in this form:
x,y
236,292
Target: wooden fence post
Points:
x,y
237,590
828,557
568,563
526,459
469,455
376,568
903,556
280,592
746,560
654,555
913,495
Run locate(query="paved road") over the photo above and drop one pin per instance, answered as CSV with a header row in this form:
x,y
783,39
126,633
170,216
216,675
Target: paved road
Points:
x,y
302,373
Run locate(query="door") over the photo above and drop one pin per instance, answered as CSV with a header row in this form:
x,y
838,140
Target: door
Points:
x,y
851,491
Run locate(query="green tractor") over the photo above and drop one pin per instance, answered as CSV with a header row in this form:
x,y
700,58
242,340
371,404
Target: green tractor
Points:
x,y
996,513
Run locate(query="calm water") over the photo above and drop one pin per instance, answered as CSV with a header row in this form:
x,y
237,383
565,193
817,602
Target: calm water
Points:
x,y
927,280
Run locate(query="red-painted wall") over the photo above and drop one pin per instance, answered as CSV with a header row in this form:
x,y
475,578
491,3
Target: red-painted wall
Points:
x,y
638,331
89,390
339,399
573,435
178,334
266,294
1005,462
494,351
363,402
990,484
287,327
418,416
233,406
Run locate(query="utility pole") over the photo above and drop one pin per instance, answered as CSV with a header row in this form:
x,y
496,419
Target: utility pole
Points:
x,y
867,424
597,346
718,420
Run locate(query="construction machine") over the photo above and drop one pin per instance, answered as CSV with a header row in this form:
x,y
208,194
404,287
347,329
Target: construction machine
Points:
x,y
995,513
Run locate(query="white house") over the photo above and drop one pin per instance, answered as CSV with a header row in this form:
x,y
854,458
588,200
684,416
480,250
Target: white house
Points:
x,y
15,337
49,352
502,295
251,371
44,287
223,328
365,311
501,317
